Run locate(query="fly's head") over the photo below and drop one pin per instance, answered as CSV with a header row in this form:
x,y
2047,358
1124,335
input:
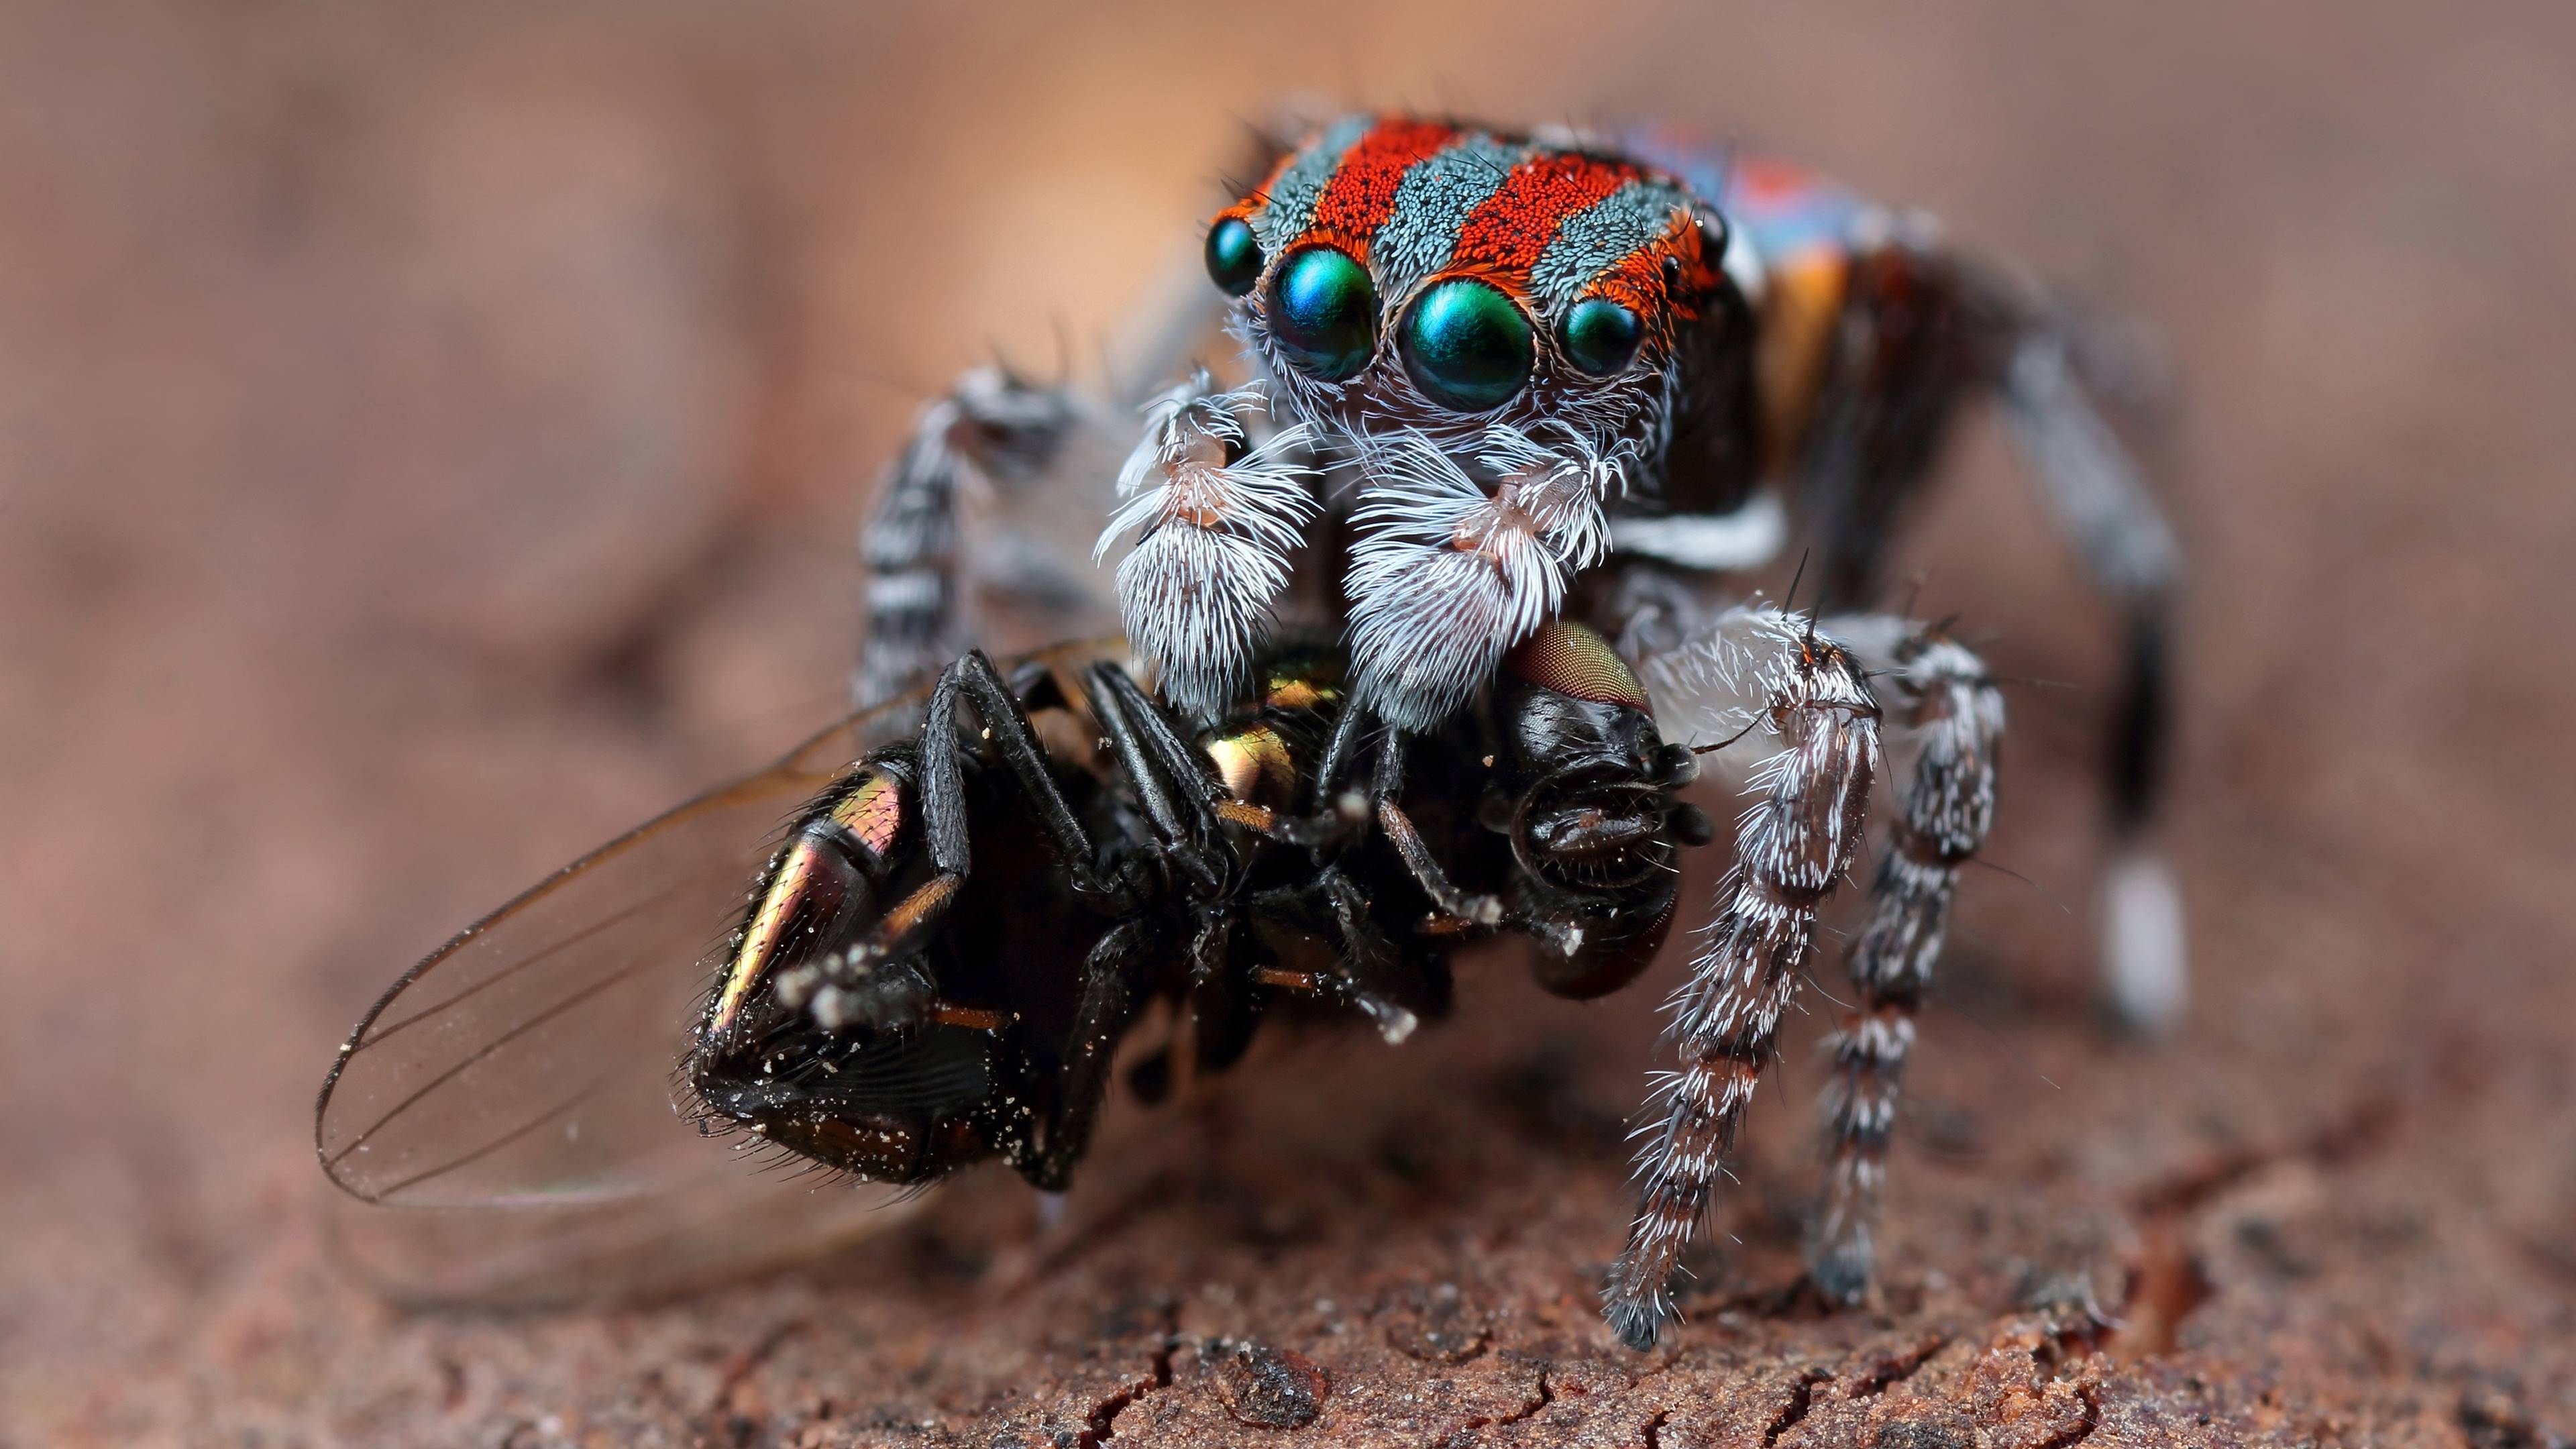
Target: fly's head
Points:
x,y
1588,799
1402,278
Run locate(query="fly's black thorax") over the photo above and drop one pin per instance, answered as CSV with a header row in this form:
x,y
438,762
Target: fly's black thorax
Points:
x,y
1269,749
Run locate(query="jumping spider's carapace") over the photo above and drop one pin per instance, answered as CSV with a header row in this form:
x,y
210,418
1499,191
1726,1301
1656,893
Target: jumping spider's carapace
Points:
x,y
1510,415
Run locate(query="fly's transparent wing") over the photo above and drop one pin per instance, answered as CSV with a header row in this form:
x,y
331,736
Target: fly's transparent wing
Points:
x,y
520,1077
717,1226
529,1060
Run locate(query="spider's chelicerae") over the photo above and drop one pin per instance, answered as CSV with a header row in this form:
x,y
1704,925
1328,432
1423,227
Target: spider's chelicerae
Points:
x,y
1491,380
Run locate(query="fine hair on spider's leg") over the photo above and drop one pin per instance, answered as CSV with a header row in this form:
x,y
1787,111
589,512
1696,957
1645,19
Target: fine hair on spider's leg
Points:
x,y
1800,703
1446,576
1945,720
1216,514
992,428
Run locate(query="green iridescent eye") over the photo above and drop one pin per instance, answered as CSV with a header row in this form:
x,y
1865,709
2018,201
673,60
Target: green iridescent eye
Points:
x,y
1233,256
1600,335
1323,313
1467,347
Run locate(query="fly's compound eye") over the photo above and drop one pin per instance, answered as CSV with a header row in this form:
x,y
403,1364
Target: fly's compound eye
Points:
x,y
1600,336
1323,313
1467,347
1233,256
1575,661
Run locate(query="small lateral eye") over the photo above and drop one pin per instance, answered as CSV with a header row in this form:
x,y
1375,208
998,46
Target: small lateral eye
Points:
x,y
1600,336
1467,346
1233,256
1575,661
1323,312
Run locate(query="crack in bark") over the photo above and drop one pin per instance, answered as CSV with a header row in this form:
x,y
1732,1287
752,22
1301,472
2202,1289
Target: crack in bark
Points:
x,y
1802,1396
739,1368
1546,1396
1655,1428
2357,1129
2167,1283
1101,1424
1897,1370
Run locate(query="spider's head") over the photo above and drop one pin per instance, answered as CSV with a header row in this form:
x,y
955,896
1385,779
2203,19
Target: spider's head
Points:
x,y
1398,275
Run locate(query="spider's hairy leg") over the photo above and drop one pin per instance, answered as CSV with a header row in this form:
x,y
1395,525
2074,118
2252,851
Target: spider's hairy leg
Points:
x,y
2099,499
1797,701
992,429
1947,715
1216,513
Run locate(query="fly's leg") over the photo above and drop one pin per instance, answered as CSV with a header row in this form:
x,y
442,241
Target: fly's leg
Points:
x,y
1948,716
1475,908
993,429
944,811
1111,995
1796,699
1178,794
1370,976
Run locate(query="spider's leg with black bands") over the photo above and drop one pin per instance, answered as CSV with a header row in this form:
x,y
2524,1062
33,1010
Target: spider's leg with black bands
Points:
x,y
1946,714
2106,512
991,427
1815,732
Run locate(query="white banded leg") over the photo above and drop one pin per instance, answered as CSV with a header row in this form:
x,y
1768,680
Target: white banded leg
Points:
x,y
1809,726
993,428
1945,723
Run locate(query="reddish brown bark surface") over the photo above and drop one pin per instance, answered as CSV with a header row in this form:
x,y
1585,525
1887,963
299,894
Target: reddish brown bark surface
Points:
x,y
430,445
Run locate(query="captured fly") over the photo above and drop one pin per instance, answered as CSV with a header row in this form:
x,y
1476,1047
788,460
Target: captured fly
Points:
x,y
938,964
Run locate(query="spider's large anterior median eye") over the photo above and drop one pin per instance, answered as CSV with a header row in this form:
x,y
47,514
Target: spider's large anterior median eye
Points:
x,y
1467,346
1323,312
1233,256
1600,335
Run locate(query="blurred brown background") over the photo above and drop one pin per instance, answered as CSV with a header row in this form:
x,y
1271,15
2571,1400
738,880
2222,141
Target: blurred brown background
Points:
x,y
430,440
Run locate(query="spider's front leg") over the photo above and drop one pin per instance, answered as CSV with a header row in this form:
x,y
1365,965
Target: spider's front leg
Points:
x,y
1948,716
1771,678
